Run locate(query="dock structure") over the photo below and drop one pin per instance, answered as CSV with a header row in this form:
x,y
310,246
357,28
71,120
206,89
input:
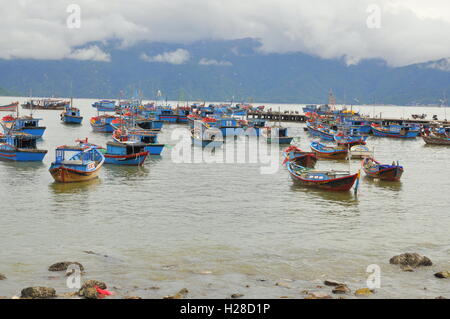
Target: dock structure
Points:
x,y
288,116
295,116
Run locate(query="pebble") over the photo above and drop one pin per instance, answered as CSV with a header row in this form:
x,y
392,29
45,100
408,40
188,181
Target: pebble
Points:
x,y
442,274
363,292
341,289
234,296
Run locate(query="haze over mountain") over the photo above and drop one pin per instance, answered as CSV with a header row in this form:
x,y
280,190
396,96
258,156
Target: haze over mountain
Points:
x,y
385,51
219,70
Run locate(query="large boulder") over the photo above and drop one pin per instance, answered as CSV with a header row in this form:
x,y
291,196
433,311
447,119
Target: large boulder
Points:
x,y
38,292
411,259
62,266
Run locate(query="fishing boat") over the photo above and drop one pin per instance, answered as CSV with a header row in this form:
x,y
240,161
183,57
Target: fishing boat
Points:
x,y
360,151
84,164
326,134
71,115
133,154
349,140
436,140
46,104
395,131
22,124
205,137
277,134
329,152
299,157
182,114
384,172
326,180
20,147
105,106
134,136
166,114
437,136
12,107
102,123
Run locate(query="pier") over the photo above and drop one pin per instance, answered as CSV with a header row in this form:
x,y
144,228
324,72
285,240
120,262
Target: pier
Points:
x,y
295,116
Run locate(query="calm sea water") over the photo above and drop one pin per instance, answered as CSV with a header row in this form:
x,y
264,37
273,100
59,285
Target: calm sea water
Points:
x,y
216,228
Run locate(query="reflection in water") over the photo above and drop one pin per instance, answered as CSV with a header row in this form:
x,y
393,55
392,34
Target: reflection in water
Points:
x,y
123,172
22,166
74,188
340,198
395,186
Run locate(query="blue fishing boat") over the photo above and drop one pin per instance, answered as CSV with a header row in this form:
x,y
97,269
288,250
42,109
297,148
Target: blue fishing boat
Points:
x,y
358,125
102,123
105,106
133,136
20,147
22,124
148,124
277,134
349,140
395,131
182,113
257,125
132,154
329,152
166,114
71,115
326,134
83,164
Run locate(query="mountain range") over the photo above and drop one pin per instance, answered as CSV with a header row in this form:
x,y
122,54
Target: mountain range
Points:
x,y
223,71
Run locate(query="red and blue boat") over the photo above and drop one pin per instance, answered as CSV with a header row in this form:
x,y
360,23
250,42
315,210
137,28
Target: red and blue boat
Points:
x,y
133,136
20,147
327,180
131,154
299,157
102,123
384,172
329,152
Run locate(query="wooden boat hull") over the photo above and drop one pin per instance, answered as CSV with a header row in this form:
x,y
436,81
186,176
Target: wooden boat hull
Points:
x,y
436,140
136,159
341,184
102,128
392,174
336,155
62,174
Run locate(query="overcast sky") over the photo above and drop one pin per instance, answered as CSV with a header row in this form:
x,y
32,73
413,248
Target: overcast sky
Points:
x,y
410,31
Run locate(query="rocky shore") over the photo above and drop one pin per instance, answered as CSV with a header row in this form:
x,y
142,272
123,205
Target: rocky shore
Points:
x,y
329,289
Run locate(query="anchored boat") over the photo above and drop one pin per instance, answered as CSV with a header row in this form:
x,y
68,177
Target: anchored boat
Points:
x,y
299,157
22,124
83,165
395,131
327,180
20,147
121,153
329,152
71,115
102,123
277,134
360,151
374,169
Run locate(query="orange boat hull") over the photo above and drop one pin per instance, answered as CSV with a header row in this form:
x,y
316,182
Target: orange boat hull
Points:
x,y
66,175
